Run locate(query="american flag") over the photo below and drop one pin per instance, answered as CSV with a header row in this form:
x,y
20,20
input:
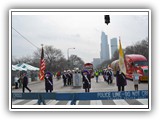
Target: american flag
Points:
x,y
42,66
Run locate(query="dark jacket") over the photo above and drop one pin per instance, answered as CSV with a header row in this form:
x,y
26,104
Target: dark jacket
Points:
x,y
49,83
86,82
121,79
25,81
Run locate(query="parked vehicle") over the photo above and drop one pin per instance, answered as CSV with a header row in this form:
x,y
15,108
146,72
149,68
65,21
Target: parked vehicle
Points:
x,y
134,61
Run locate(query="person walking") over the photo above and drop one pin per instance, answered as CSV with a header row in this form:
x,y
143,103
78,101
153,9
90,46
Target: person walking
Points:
x,y
96,75
25,83
135,79
121,80
86,81
48,82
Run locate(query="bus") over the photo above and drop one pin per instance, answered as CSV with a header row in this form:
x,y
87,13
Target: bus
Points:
x,y
89,67
134,61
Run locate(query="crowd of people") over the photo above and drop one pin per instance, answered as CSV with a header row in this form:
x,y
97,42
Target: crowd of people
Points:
x,y
67,77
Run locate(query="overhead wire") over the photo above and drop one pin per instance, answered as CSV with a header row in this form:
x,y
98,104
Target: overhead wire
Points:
x,y
24,37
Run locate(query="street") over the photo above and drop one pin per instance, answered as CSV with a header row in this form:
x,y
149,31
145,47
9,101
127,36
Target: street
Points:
x,y
101,86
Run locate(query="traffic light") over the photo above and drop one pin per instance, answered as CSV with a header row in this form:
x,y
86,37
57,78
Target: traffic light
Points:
x,y
107,19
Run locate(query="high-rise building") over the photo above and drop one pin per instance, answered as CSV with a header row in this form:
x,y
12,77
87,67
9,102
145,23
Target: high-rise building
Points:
x,y
96,62
114,46
104,53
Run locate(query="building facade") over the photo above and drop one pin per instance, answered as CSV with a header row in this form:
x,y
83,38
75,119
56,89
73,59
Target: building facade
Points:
x,y
104,53
114,46
96,62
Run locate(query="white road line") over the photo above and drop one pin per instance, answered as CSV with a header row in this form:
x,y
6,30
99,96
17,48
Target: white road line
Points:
x,y
32,102
16,101
120,102
143,101
52,102
96,102
69,103
77,102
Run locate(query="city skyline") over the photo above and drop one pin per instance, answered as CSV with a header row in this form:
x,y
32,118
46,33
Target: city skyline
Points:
x,y
81,31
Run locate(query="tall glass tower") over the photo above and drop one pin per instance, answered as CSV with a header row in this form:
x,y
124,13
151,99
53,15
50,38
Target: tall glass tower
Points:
x,y
104,53
114,46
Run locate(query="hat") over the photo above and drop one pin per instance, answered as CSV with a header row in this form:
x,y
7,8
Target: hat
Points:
x,y
85,71
49,73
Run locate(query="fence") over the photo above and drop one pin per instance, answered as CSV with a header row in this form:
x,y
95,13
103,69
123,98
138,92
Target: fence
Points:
x,y
41,97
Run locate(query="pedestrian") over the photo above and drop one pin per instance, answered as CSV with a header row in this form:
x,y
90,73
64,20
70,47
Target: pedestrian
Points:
x,y
25,83
48,82
104,73
121,80
135,79
16,82
96,75
58,75
69,77
109,74
64,76
86,81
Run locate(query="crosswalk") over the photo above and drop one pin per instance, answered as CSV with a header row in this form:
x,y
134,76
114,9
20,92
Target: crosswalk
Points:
x,y
85,102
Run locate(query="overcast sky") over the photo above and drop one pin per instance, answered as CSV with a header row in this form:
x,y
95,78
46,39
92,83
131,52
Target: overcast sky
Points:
x,y
81,31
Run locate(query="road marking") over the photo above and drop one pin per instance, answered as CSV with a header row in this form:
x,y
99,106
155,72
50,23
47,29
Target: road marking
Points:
x,y
52,102
16,101
143,101
96,102
32,102
120,102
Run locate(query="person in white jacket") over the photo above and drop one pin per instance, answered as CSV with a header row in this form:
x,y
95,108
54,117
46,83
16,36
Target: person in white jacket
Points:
x,y
135,79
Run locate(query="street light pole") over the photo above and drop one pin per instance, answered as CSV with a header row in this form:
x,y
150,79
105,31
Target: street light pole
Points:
x,y
68,55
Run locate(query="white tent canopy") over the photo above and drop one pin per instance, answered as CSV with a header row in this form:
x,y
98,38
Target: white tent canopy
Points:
x,y
15,68
25,67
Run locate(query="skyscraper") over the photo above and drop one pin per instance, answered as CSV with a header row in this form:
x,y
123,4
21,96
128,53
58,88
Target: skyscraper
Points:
x,y
114,46
104,53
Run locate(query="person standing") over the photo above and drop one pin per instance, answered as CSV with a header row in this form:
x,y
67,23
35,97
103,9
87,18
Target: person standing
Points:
x,y
96,75
135,79
16,82
86,81
104,73
69,77
64,76
25,83
48,82
121,80
109,74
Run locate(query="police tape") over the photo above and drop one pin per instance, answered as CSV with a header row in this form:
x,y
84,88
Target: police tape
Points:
x,y
141,94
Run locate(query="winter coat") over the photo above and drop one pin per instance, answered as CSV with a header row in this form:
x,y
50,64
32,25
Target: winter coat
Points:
x,y
49,83
86,83
25,81
121,79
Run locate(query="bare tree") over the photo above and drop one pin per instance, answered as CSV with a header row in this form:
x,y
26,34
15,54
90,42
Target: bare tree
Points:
x,y
75,62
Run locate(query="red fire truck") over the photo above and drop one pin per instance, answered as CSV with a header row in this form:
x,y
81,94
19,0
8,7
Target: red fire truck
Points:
x,y
134,61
